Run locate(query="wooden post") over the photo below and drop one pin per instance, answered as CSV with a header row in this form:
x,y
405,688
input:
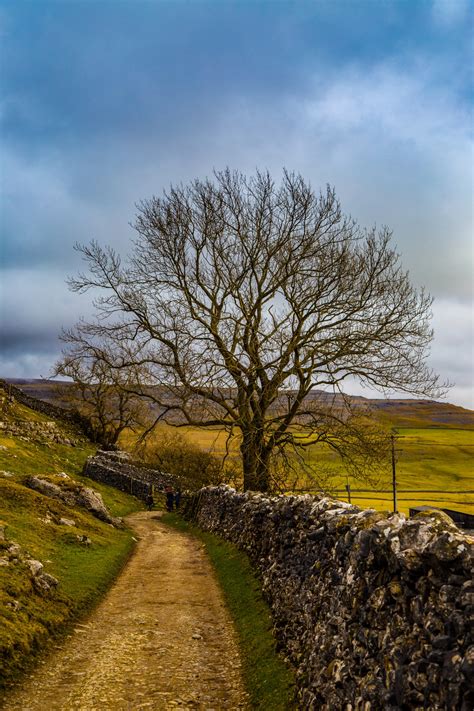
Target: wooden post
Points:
x,y
394,476
348,489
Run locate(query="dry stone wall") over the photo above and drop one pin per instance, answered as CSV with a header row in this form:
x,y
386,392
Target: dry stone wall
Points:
x,y
118,470
373,610
47,408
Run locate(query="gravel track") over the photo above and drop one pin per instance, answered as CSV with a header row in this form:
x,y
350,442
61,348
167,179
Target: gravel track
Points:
x,y
161,638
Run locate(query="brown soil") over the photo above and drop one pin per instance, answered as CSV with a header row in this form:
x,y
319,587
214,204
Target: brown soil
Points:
x,y
161,638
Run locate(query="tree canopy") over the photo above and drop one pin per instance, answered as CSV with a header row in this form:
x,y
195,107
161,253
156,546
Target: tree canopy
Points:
x,y
242,297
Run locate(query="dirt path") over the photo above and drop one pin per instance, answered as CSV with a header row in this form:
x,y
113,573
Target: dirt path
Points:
x,y
161,638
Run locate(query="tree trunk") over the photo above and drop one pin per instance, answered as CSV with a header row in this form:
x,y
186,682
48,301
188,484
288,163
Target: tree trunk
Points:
x,y
255,460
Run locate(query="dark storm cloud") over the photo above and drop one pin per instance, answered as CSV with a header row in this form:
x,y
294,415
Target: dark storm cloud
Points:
x,y
106,103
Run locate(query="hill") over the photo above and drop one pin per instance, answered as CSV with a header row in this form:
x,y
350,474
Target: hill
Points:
x,y
58,549
398,412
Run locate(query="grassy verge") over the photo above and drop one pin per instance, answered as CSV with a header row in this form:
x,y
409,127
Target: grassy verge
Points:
x,y
30,618
268,680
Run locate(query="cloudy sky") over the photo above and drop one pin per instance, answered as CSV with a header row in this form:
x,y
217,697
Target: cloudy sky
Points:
x,y
106,102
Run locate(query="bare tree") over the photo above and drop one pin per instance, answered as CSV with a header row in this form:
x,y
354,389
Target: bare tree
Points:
x,y
242,297
102,392
190,466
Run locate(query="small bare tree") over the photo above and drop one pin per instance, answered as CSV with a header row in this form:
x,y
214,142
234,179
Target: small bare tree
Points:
x,y
191,466
102,392
242,297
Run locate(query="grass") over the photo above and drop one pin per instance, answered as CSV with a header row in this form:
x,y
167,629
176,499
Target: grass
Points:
x,y
268,680
439,458
30,619
427,459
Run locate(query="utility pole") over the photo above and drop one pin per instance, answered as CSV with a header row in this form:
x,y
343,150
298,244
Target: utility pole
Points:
x,y
394,476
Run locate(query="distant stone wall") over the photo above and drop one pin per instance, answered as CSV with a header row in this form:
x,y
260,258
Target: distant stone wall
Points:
x,y
36,431
374,612
47,408
118,470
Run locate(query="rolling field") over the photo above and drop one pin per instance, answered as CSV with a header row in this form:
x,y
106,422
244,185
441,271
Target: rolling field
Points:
x,y
435,444
428,458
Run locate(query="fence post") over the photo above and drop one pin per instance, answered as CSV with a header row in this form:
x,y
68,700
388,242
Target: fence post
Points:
x,y
348,489
394,476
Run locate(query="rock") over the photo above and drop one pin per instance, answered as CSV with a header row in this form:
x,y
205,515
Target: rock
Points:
x,y
35,566
13,550
46,487
49,579
74,494
44,582
92,501
67,522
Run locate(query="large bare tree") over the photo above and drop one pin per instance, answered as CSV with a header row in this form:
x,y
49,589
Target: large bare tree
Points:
x,y
242,297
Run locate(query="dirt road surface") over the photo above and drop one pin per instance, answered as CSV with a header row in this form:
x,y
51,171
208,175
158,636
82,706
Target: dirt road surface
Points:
x,y
161,638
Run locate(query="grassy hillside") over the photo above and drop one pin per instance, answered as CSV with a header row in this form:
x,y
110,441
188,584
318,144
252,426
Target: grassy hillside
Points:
x,y
429,460
84,557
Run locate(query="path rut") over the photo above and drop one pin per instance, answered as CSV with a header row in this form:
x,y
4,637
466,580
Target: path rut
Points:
x,y
161,638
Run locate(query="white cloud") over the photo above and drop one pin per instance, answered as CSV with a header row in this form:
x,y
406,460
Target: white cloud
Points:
x,y
396,145
447,13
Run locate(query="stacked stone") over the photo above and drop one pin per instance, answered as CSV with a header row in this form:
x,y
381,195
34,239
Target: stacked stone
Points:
x,y
118,470
47,408
374,611
36,431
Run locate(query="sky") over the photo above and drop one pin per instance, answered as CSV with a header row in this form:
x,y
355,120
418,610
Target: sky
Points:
x,y
107,102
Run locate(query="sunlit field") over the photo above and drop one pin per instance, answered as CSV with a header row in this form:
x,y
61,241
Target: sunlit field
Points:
x,y
437,460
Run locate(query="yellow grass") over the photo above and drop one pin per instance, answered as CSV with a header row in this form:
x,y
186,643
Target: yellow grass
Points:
x,y
427,458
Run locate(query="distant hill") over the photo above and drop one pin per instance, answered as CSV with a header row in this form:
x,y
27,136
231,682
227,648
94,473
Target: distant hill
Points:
x,y
399,412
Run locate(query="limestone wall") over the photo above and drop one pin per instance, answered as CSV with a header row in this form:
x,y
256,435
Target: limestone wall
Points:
x,y
117,469
47,408
374,611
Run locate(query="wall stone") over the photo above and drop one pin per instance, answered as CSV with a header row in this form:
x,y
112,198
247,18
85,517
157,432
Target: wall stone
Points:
x,y
117,469
47,408
374,611
36,431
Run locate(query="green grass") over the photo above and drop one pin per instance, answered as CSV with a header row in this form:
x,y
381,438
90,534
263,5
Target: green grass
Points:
x,y
427,458
84,572
268,680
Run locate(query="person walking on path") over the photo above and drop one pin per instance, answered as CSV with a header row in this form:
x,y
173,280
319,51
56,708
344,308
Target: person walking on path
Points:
x,y
169,498
149,500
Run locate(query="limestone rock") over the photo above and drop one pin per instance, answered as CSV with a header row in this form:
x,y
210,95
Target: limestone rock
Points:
x,y
35,566
67,522
72,493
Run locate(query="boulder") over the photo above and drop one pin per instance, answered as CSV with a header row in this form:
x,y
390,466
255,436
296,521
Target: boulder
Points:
x,y
72,493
